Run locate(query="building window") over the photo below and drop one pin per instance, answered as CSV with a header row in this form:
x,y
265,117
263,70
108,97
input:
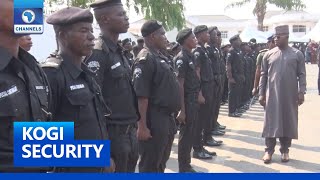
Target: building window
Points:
x,y
224,34
265,29
299,28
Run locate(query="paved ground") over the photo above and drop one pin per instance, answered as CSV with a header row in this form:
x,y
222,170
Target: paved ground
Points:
x,y
243,146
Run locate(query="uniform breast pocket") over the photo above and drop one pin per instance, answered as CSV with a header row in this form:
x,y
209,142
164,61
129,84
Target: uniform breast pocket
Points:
x,y
79,100
42,95
120,81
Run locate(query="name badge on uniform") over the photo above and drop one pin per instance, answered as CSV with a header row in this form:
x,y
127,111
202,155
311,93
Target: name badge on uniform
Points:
x,y
115,65
75,87
40,87
8,92
163,61
191,63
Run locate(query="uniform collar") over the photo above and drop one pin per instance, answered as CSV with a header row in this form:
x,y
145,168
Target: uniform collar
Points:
x,y
185,51
73,70
111,45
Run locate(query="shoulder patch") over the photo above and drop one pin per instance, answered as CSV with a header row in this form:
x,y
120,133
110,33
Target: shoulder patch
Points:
x,y
179,63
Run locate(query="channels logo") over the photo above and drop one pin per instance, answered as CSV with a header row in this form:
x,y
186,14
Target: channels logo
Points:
x,y
28,16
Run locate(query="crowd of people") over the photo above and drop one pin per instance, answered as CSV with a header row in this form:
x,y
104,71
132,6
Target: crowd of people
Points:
x,y
137,95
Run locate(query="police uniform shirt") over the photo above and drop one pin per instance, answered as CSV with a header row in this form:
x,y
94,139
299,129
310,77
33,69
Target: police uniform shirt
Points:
x,y
186,69
77,98
202,58
214,55
235,58
154,78
114,75
23,97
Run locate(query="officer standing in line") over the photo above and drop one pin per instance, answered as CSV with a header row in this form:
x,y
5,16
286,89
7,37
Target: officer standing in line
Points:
x,y
24,93
75,94
205,112
127,48
189,82
114,75
235,75
246,93
224,51
271,45
218,72
157,89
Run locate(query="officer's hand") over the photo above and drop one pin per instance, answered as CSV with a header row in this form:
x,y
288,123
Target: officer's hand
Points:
x,y
301,98
112,167
181,117
254,91
262,101
232,81
201,99
143,133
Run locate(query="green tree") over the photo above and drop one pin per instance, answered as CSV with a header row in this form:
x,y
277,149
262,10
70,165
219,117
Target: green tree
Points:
x,y
260,8
169,12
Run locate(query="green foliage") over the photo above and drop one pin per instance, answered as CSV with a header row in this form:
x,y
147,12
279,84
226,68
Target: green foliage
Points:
x,y
169,12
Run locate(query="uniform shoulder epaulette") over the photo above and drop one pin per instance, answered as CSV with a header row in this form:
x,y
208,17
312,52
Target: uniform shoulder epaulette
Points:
x,y
53,61
143,55
99,45
263,50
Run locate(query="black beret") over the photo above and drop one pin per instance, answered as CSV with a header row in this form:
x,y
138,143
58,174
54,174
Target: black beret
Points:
x,y
70,15
234,38
125,41
183,35
212,28
105,3
200,28
149,27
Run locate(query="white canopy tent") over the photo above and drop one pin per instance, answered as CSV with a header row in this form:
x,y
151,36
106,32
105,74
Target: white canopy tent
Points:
x,y
250,32
314,34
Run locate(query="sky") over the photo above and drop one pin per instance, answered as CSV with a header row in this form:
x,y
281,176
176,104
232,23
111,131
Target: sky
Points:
x,y
217,7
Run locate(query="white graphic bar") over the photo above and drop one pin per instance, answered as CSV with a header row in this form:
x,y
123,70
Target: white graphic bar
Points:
x,y
28,29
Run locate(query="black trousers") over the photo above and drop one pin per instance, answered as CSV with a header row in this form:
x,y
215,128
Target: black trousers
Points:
x,y
216,105
155,152
202,126
124,146
225,89
285,143
187,131
234,94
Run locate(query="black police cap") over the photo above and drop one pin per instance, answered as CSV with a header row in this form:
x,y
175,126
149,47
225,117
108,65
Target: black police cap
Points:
x,y
105,3
70,15
149,27
234,38
183,35
200,28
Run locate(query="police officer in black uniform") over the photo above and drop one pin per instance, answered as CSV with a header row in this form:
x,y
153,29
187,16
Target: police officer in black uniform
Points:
x,y
158,94
217,72
224,51
24,93
235,73
248,61
127,48
189,82
76,95
114,75
206,105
